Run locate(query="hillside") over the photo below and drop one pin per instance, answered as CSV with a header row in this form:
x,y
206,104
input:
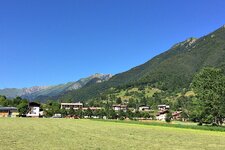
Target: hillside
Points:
x,y
45,92
173,69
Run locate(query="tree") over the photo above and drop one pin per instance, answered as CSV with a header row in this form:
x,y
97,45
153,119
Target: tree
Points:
x,y
143,101
209,85
23,108
16,101
79,113
3,101
121,115
137,114
111,114
146,115
89,113
63,112
130,114
131,103
102,113
168,117
71,112
118,100
51,108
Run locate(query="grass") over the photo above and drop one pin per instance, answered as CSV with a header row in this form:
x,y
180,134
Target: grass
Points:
x,y
148,92
25,133
174,124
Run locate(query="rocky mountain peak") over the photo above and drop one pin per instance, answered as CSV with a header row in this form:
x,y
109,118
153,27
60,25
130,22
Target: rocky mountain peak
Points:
x,y
187,43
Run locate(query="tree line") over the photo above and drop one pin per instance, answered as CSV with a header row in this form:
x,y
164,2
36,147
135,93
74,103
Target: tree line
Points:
x,y
206,106
20,103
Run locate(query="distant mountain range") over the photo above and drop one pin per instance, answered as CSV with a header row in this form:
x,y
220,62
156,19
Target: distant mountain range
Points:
x,y
45,92
171,70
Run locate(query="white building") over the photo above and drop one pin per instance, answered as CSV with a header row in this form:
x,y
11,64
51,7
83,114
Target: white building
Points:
x,y
161,117
75,106
144,108
34,110
119,107
163,107
163,110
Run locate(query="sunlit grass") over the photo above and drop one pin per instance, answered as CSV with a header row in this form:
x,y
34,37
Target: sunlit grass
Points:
x,y
21,133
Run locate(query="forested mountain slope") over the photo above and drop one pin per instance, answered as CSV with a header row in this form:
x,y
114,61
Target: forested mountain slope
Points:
x,y
173,69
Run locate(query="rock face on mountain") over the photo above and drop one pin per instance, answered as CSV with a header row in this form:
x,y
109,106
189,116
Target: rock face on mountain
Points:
x,y
43,92
13,92
173,69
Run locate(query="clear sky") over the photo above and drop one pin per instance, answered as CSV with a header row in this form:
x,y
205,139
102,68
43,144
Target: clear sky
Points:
x,y
47,42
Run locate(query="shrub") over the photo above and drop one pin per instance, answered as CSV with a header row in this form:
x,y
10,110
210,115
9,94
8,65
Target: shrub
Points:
x,y
168,117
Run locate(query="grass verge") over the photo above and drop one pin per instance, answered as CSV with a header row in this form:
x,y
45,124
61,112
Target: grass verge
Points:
x,y
164,124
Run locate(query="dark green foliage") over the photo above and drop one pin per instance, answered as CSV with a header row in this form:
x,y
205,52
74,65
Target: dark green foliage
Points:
x,y
79,113
3,101
168,117
71,112
22,108
88,113
132,103
146,115
21,104
118,100
130,114
122,115
111,114
53,107
209,85
63,112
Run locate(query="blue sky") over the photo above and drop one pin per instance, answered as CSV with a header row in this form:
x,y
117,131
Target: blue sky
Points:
x,y
47,42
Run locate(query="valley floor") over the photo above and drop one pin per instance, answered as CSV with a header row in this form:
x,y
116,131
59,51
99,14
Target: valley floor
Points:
x,y
25,133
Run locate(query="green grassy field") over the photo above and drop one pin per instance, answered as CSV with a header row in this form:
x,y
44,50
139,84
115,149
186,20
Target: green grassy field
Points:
x,y
24,133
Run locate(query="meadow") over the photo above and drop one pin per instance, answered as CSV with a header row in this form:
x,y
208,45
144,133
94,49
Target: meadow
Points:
x,y
33,133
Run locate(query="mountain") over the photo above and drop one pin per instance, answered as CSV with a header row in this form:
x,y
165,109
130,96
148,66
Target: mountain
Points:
x,y
45,92
13,92
171,70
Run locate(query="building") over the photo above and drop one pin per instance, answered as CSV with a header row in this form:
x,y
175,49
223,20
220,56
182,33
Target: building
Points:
x,y
163,110
163,107
8,112
118,107
144,108
177,115
75,106
57,116
161,115
92,108
34,110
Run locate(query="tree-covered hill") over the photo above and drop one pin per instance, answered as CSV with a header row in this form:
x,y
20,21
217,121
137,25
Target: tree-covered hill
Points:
x,y
173,69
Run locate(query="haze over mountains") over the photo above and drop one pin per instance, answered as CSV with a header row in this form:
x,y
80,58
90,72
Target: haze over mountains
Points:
x,y
43,92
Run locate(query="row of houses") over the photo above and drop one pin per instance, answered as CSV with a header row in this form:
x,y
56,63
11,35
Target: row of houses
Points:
x,y
116,107
163,110
35,111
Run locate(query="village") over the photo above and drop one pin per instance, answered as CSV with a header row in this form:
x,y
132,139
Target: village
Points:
x,y
78,110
